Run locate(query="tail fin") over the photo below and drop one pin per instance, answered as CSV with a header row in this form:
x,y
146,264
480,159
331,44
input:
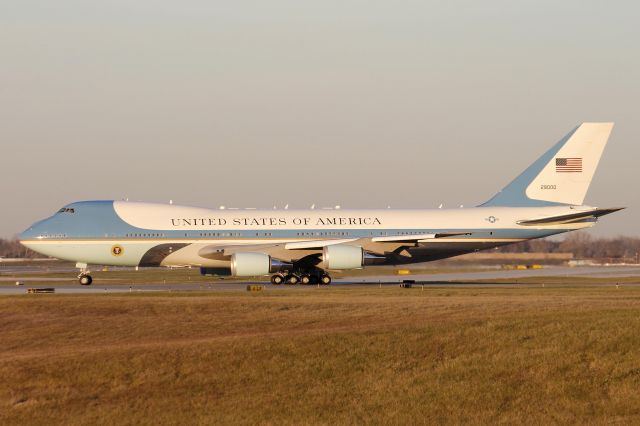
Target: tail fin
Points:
x,y
562,175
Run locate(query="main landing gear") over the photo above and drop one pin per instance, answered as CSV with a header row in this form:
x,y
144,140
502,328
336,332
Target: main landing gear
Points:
x,y
302,278
84,278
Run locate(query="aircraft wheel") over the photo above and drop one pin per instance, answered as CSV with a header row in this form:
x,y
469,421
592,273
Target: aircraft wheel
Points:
x,y
325,279
277,279
292,279
85,279
305,279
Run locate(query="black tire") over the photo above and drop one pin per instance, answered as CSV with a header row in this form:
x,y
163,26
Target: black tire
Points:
x,y
277,279
325,279
305,279
291,279
85,280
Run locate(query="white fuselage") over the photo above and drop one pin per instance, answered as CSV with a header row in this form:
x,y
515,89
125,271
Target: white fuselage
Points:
x,y
176,234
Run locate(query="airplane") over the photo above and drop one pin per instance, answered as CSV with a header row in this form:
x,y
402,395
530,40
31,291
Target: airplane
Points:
x,y
305,246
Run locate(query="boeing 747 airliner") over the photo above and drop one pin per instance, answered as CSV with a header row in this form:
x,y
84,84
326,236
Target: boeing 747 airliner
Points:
x,y
304,246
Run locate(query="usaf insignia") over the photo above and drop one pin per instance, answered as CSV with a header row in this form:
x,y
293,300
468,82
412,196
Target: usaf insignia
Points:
x,y
492,219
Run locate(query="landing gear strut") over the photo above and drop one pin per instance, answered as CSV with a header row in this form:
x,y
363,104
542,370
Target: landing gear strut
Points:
x,y
277,279
84,278
304,278
291,279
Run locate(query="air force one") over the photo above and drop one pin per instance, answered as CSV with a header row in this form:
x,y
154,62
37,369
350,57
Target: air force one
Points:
x,y
304,246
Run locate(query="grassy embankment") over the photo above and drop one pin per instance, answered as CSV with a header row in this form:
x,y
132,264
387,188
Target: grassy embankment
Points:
x,y
330,355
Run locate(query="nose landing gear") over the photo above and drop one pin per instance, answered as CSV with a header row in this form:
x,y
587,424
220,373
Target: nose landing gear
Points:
x,y
84,278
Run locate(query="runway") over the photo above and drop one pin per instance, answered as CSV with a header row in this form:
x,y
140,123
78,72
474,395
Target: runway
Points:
x,y
582,271
63,286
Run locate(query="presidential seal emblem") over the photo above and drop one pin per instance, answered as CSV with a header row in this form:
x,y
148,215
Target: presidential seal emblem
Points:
x,y
117,250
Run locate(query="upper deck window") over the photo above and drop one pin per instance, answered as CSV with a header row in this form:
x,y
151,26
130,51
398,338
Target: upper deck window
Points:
x,y
66,210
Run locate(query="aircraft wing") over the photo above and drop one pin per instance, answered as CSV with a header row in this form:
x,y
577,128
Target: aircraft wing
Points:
x,y
220,252
422,238
569,218
317,244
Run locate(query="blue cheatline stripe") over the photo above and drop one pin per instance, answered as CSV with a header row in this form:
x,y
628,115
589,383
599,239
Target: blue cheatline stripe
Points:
x,y
514,194
313,234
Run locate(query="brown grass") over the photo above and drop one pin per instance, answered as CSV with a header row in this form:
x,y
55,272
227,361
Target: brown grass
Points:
x,y
309,356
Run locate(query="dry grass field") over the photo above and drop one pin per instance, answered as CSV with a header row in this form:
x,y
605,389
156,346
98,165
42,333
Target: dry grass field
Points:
x,y
323,356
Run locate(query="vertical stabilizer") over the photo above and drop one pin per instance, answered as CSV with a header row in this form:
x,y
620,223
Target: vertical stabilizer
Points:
x,y
562,175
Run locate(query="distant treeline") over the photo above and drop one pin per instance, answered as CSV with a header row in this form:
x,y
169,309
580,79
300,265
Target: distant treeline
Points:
x,y
13,249
581,244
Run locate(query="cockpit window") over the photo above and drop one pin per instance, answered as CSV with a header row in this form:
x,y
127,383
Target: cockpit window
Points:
x,y
66,210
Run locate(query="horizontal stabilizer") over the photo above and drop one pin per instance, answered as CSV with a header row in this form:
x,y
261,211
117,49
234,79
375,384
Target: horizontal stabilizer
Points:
x,y
569,218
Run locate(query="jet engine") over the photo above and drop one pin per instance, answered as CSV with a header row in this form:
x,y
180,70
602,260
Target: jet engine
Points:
x,y
341,256
252,264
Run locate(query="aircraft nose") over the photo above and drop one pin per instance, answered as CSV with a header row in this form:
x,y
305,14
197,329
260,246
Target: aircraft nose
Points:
x,y
32,232
27,234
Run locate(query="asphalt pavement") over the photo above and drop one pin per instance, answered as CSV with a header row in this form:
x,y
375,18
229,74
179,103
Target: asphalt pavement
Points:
x,y
62,285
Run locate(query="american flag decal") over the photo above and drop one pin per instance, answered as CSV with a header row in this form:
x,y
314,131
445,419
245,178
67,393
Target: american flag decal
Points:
x,y
568,165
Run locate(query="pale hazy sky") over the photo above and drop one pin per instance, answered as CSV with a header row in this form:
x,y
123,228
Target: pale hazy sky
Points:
x,y
357,103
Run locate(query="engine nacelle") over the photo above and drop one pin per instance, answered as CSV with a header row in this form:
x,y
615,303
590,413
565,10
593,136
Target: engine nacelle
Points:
x,y
340,256
252,264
